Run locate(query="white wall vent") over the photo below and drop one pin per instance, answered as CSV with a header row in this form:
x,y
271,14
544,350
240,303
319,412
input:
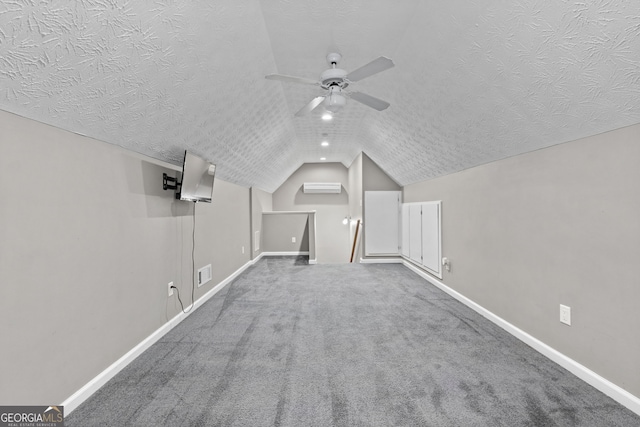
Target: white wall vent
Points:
x,y
322,187
204,275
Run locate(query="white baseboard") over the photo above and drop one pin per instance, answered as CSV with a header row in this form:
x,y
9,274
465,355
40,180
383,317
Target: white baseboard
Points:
x,y
293,253
311,261
101,379
607,387
257,258
381,261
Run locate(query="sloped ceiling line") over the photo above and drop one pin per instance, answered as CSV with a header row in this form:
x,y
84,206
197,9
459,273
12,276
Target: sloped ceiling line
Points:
x,y
474,82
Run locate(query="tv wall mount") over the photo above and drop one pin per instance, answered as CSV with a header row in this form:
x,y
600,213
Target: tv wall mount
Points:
x,y
171,183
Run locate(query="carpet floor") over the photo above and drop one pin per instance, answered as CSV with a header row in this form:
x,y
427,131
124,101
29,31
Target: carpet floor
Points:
x,y
290,344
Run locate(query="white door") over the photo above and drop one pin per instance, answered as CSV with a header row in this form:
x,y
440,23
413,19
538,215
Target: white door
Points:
x,y
431,237
422,235
406,231
415,235
382,222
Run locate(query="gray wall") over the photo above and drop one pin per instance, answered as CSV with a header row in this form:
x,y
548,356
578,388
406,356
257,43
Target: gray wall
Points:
x,y
555,226
374,178
280,228
88,242
332,237
355,187
261,201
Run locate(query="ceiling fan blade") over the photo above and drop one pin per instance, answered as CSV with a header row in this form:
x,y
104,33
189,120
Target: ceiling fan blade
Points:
x,y
310,106
373,67
369,101
291,79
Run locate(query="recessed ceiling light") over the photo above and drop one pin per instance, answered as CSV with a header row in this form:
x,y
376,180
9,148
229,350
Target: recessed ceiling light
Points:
x,y
323,158
327,116
325,144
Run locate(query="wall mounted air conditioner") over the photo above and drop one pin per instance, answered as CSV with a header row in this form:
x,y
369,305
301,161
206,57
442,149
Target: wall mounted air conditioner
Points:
x,y
322,187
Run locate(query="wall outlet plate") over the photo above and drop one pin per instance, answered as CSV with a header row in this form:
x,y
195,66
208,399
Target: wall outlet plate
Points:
x,y
565,314
293,240
170,289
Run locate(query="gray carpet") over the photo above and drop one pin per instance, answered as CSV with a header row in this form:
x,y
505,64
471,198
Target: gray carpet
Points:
x,y
289,344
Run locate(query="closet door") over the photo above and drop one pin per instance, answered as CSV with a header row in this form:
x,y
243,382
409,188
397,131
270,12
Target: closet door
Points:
x,y
406,231
415,234
382,222
422,235
431,237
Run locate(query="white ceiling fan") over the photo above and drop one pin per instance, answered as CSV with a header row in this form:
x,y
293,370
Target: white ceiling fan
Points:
x,y
335,81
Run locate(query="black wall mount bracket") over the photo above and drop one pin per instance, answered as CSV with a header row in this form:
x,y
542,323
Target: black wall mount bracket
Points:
x,y
171,183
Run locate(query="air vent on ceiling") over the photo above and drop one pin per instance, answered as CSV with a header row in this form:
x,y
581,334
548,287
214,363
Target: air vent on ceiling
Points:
x,y
322,187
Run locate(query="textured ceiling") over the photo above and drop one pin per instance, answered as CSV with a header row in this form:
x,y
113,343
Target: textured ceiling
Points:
x,y
475,81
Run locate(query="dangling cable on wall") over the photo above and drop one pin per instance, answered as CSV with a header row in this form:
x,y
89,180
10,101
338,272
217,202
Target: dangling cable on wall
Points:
x,y
193,266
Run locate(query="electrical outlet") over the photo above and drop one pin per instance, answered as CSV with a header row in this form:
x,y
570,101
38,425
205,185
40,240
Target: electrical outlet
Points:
x,y
293,240
243,249
170,288
565,314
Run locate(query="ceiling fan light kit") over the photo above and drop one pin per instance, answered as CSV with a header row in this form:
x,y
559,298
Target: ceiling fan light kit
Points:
x,y
334,101
335,80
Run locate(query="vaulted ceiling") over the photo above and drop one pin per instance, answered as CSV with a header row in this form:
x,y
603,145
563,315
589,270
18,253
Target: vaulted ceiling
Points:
x,y
474,80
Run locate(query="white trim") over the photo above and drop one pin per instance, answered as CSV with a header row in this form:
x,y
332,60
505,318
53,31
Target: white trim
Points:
x,y
294,253
256,240
311,261
380,260
612,390
73,401
421,267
